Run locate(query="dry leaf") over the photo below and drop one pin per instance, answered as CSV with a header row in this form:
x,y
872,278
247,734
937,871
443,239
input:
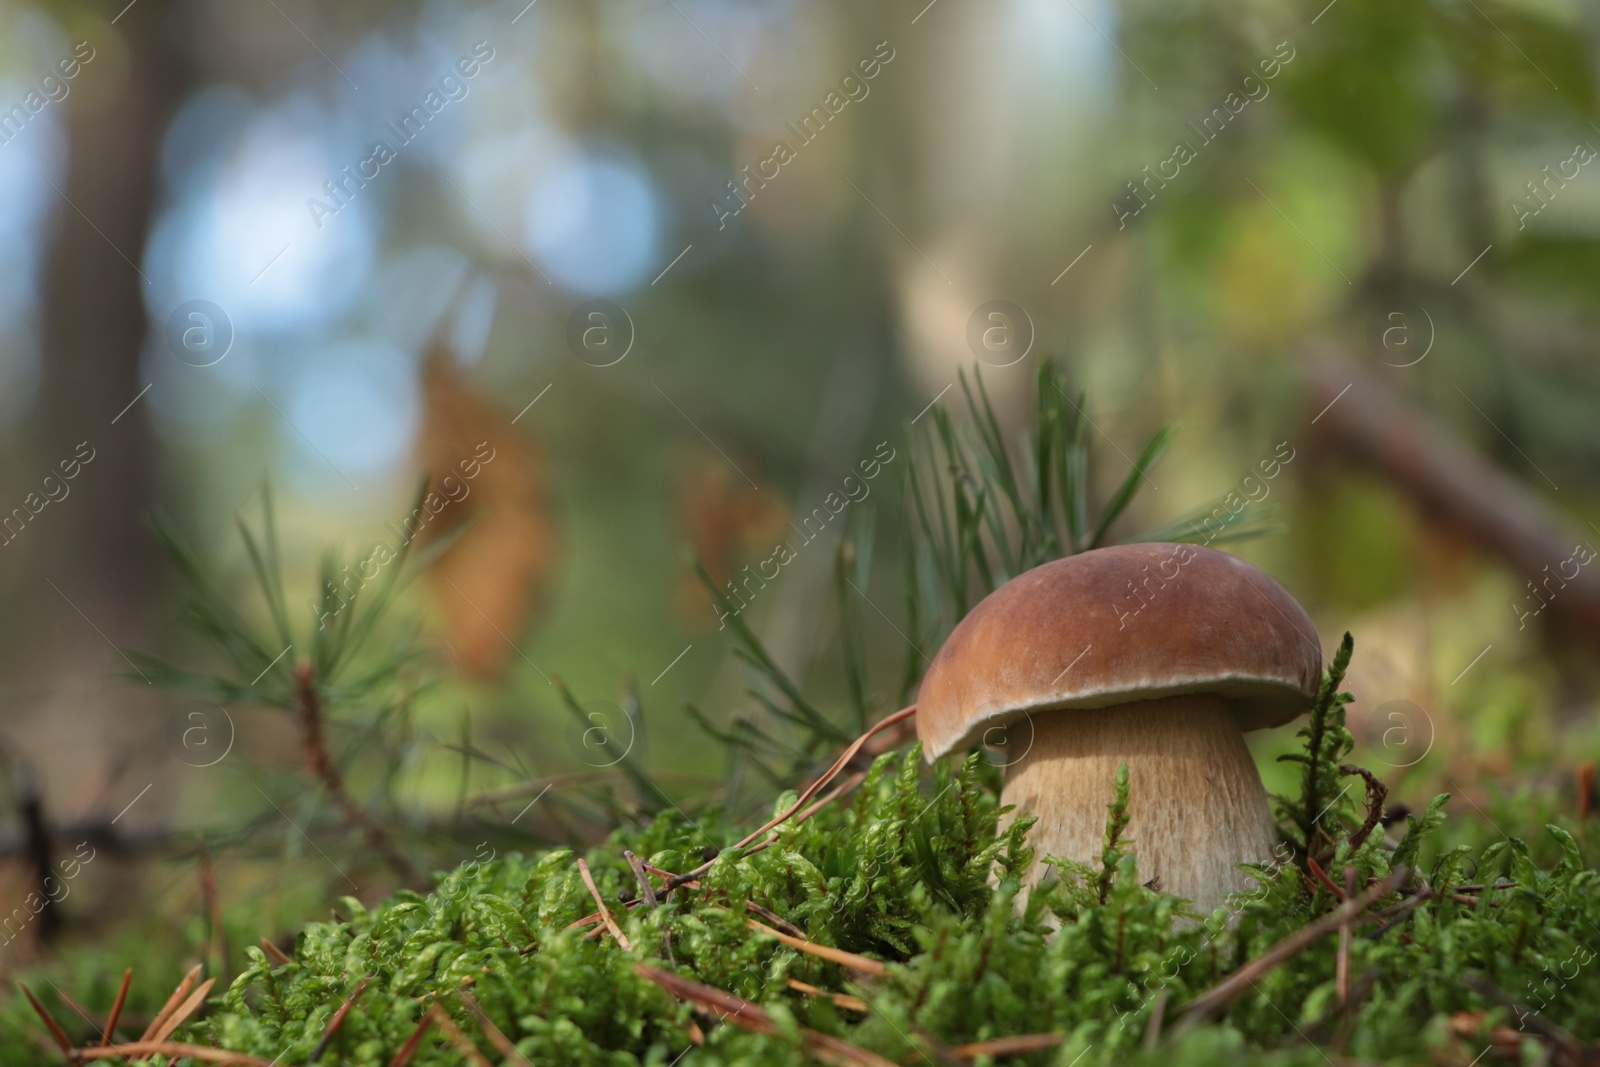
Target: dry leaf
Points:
x,y
726,522
488,583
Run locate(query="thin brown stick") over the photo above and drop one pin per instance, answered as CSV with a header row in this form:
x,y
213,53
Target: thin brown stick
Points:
x,y
1342,967
338,1020
843,1000
49,1021
1158,1014
752,1016
1386,919
175,1049
671,880
645,888
83,1013
833,794
605,912
172,1002
833,772
1322,876
800,802
1220,995
1526,1016
776,920
1377,796
320,764
213,899
833,955
181,1014
409,1049
452,1032
1453,485
499,1040
276,954
1009,1046
116,1007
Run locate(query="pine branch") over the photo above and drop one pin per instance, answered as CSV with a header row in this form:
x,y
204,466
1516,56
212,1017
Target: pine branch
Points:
x,y
321,766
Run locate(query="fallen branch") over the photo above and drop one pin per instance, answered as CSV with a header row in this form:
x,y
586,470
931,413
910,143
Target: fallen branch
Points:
x,y
1453,484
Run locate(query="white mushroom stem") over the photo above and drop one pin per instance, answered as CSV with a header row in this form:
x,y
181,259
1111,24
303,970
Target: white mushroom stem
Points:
x,y
1196,804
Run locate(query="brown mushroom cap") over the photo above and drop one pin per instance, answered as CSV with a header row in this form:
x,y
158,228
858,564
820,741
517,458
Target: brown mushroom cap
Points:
x,y
1116,625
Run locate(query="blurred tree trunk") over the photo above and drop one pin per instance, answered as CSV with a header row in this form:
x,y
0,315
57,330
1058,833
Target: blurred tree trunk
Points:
x,y
94,326
83,566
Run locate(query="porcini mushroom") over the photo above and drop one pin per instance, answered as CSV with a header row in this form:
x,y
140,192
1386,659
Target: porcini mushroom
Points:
x,y
1160,655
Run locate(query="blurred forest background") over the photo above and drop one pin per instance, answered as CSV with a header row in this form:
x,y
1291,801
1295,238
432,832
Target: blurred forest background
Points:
x,y
1355,245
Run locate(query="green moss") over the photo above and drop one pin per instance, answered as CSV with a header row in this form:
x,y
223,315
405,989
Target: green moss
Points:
x,y
901,872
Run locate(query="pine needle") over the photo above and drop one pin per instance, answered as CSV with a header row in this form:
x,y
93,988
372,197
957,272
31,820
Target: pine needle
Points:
x,y
605,912
116,1007
172,1003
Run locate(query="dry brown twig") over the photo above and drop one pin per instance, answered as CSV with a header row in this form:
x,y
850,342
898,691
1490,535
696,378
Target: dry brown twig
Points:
x,y
447,1026
1377,796
605,912
320,764
186,984
1219,996
49,1020
775,919
1009,1046
805,796
798,810
409,1049
116,1008
338,1020
276,954
832,955
146,1049
213,903
1571,1049
1342,967
181,1013
1319,875
753,1017
499,1040
645,888
843,1000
